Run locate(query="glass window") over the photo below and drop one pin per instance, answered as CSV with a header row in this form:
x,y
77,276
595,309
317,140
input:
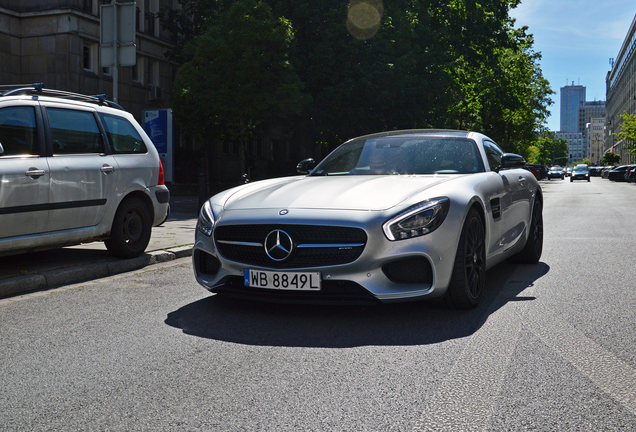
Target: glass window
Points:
x,y
18,134
122,135
493,154
87,57
407,154
74,132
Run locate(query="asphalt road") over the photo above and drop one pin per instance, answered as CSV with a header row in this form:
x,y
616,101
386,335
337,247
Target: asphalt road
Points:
x,y
551,348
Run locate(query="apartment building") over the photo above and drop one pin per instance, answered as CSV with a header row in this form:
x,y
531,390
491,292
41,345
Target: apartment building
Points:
x,y
621,94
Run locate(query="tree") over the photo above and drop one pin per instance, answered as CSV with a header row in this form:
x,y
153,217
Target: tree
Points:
x,y
610,158
628,132
547,150
239,81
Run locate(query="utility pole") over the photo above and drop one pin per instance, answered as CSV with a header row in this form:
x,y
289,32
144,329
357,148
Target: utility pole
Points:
x,y
117,39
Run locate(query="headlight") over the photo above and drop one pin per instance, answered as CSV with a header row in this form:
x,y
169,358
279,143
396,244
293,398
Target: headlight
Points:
x,y
417,220
206,219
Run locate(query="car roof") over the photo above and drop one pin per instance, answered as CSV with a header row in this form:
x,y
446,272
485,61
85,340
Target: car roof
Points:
x,y
39,90
419,132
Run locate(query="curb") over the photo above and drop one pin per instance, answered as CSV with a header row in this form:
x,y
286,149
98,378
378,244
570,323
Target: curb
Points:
x,y
82,273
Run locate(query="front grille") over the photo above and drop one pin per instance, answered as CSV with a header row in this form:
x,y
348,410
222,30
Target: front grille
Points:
x,y
314,246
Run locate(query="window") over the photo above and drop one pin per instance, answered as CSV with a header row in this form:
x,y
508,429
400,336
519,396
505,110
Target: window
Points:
x,y
136,76
18,134
74,132
123,137
151,72
493,154
87,57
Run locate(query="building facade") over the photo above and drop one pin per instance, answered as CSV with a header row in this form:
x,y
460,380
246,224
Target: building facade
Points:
x,y
621,94
577,146
589,110
57,43
595,135
571,99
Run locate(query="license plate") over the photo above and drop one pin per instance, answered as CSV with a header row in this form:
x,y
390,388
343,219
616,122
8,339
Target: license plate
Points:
x,y
282,280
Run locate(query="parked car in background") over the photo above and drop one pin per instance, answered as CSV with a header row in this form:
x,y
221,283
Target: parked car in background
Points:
x,y
605,171
556,172
630,174
533,170
618,174
393,216
595,171
76,169
580,172
542,171
568,171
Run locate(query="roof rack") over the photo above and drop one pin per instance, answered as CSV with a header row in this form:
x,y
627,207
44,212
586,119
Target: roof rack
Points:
x,y
38,89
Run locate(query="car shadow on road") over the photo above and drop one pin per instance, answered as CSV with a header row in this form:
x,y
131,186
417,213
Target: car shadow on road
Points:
x,y
414,323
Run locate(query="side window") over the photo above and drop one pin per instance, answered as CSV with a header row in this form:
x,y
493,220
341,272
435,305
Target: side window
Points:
x,y
74,132
18,133
493,153
122,135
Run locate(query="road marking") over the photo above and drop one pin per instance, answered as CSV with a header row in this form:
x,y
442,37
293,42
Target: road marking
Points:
x,y
465,400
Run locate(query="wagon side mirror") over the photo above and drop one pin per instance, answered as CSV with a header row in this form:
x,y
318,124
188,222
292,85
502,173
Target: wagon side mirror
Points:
x,y
306,165
511,160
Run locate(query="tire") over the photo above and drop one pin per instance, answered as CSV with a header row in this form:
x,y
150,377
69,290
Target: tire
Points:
x,y
531,252
469,272
132,226
571,179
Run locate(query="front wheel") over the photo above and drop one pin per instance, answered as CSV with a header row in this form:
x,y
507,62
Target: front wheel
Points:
x,y
132,226
469,272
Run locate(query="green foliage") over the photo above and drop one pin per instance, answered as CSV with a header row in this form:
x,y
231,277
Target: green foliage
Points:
x,y
611,158
365,67
546,149
239,80
628,131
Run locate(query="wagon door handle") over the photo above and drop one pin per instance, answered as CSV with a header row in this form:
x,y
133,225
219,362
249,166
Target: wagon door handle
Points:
x,y
34,172
107,169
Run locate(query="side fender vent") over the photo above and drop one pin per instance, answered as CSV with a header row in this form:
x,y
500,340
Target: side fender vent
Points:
x,y
495,205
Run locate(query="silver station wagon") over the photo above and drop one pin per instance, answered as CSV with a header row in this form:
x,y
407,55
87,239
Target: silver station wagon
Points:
x,y
75,169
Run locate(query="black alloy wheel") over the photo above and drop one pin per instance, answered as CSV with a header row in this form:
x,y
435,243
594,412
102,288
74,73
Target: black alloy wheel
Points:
x,y
469,273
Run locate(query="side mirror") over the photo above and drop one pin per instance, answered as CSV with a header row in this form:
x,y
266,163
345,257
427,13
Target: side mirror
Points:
x,y
511,160
306,165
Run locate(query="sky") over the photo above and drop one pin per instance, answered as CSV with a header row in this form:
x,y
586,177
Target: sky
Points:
x,y
576,39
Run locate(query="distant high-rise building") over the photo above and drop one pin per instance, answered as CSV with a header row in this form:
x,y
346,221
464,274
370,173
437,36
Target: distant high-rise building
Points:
x,y
571,98
588,111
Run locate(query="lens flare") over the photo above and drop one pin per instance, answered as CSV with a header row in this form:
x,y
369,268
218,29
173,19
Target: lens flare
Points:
x,y
364,18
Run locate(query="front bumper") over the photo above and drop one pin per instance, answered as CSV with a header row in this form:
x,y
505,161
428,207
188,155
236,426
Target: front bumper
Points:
x,y
385,271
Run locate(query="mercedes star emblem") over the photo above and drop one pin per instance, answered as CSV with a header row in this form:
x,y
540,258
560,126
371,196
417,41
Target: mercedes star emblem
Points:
x,y
278,245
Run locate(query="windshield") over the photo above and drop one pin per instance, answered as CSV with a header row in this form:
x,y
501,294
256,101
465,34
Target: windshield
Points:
x,y
402,155
580,168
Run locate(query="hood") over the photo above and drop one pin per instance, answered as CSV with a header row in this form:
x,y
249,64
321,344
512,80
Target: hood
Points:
x,y
341,192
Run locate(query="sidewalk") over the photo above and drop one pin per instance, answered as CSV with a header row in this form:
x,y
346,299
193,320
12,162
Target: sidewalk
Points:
x,y
36,271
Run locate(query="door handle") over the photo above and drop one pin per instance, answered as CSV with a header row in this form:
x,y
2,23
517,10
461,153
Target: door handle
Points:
x,y
107,169
522,179
34,172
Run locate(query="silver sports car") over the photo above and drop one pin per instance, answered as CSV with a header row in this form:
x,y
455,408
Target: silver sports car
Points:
x,y
393,216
